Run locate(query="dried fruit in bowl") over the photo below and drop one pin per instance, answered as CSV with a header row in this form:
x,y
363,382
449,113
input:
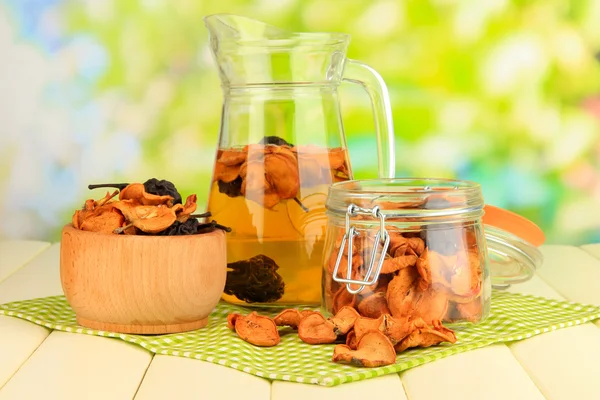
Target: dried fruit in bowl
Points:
x,y
154,207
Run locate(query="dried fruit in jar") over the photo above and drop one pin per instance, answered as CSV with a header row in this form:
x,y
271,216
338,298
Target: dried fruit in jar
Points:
x,y
374,305
256,329
254,280
374,349
316,329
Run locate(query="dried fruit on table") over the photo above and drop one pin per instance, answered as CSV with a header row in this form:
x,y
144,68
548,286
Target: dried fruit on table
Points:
x,y
315,329
231,318
363,325
425,336
351,340
288,317
374,349
256,329
343,320
254,280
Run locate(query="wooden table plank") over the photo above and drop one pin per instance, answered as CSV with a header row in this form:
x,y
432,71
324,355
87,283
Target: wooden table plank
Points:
x,y
593,249
171,377
18,340
572,272
558,361
488,373
564,363
384,387
78,366
16,253
38,278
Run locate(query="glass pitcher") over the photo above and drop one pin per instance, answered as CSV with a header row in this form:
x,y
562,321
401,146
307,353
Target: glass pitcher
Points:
x,y
281,144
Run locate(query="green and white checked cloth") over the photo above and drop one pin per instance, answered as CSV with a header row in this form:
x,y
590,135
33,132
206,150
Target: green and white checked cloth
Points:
x,y
513,317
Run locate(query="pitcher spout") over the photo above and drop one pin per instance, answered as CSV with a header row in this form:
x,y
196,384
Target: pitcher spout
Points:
x,y
251,52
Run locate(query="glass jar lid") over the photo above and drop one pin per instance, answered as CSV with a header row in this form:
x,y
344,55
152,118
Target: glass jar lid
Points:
x,y
513,258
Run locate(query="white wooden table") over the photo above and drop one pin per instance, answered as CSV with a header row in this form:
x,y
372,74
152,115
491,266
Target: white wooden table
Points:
x,y
36,363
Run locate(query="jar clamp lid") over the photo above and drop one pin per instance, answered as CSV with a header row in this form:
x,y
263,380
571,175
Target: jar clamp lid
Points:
x,y
513,256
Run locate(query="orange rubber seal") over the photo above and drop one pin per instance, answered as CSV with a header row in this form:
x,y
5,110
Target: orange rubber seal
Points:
x,y
513,223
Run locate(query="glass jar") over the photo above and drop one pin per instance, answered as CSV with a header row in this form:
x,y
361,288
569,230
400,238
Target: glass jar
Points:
x,y
417,248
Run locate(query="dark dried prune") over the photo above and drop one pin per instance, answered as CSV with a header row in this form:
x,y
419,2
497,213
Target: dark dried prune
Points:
x,y
231,189
254,280
275,140
161,188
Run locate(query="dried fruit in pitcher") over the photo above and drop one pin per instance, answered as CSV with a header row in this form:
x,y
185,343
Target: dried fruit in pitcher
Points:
x,y
269,175
255,329
374,349
254,280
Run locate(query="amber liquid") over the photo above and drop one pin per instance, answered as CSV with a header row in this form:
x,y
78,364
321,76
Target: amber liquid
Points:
x,y
290,233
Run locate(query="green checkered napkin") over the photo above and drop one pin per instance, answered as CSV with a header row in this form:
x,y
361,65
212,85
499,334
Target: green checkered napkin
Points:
x,y
513,317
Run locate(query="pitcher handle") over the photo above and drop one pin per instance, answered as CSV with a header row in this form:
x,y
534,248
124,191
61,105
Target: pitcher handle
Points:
x,y
372,82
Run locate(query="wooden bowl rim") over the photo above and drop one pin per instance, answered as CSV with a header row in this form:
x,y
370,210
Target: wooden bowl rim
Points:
x,y
218,233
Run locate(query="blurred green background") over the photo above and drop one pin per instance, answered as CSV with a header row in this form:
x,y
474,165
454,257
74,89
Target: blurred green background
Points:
x,y
503,92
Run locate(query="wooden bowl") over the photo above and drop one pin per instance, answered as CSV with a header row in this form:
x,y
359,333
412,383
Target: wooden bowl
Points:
x,y
142,284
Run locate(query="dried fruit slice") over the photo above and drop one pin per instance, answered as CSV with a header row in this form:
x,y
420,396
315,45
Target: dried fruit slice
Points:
x,y
343,320
432,306
231,318
470,311
256,329
374,349
232,157
351,340
315,329
137,193
289,317
396,329
394,264
374,306
363,325
342,298
401,292
426,336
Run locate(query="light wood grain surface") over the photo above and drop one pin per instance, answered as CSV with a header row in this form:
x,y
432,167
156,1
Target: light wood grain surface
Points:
x,y
34,363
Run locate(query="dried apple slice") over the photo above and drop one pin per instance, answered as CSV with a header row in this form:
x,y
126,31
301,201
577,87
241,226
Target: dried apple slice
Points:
x,y
256,329
374,306
343,321
289,317
315,329
374,349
